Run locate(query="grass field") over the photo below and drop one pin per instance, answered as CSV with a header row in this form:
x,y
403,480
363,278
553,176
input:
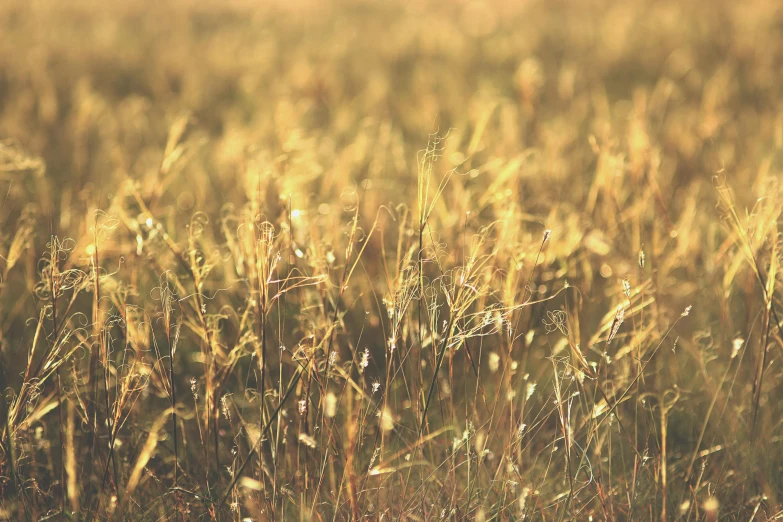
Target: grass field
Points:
x,y
391,260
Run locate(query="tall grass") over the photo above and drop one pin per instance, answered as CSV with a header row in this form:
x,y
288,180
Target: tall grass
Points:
x,y
390,260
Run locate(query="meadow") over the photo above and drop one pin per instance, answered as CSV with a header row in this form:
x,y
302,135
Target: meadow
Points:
x,y
391,260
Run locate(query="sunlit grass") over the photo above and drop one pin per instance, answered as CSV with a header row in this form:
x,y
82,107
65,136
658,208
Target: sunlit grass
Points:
x,y
390,260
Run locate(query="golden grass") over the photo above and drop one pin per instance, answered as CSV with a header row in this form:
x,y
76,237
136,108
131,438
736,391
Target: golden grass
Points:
x,y
406,260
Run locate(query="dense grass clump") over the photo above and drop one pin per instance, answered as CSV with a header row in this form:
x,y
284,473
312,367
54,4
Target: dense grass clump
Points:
x,y
391,260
